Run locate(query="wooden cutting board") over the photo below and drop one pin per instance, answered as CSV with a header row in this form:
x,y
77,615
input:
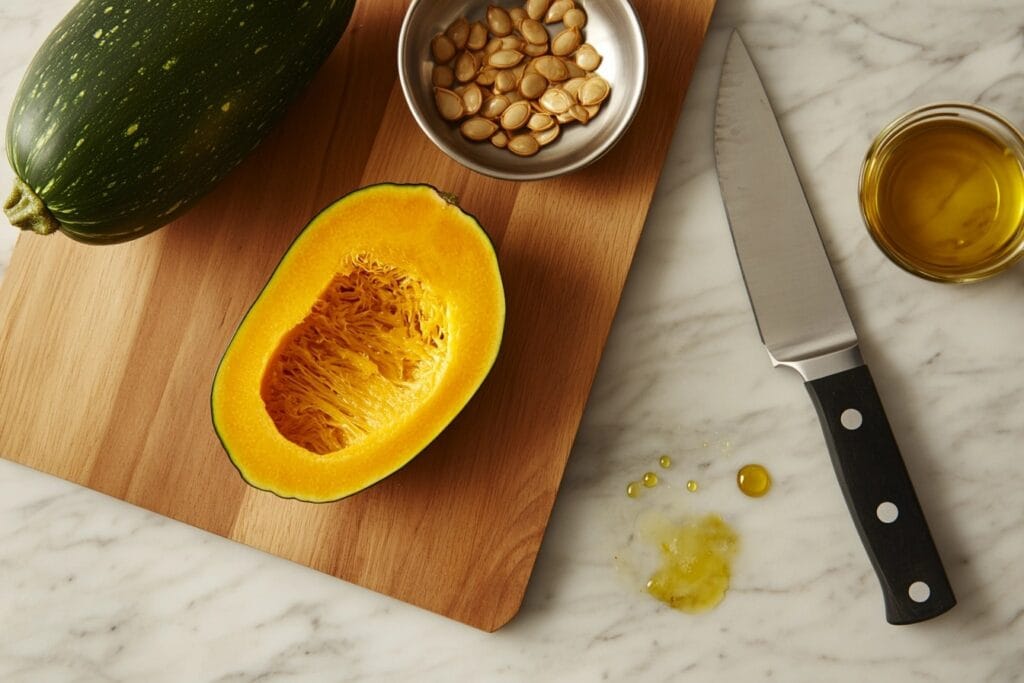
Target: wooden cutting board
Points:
x,y
107,353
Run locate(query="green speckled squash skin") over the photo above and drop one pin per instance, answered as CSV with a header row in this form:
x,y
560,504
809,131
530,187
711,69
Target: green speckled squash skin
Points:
x,y
133,109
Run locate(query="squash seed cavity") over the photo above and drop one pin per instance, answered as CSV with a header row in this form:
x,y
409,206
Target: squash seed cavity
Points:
x,y
374,343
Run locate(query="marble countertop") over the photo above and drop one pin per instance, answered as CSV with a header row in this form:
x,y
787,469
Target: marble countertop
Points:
x,y
92,589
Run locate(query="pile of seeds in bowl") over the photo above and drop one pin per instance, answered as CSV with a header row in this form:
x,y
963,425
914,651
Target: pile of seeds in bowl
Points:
x,y
508,80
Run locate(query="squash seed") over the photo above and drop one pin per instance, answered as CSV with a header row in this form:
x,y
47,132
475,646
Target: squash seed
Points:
x,y
535,50
566,42
442,48
539,122
532,86
515,115
551,68
575,18
478,128
492,46
472,99
442,76
587,58
534,32
557,11
574,69
465,67
518,15
493,106
513,43
499,21
536,9
458,33
556,100
548,135
594,91
572,86
512,53
580,113
487,76
477,36
505,59
505,81
448,103
524,145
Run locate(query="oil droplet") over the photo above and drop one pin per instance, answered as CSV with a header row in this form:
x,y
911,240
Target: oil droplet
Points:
x,y
665,462
753,480
696,564
692,486
633,489
650,479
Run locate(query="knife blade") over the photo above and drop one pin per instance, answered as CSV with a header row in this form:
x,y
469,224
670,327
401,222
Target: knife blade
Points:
x,y
804,324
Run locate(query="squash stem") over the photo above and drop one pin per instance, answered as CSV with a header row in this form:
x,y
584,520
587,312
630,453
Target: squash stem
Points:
x,y
26,210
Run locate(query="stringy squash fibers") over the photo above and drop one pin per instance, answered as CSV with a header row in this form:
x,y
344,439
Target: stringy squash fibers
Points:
x,y
377,327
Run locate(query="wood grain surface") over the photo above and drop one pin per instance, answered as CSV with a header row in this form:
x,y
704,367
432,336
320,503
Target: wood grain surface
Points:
x,y
107,353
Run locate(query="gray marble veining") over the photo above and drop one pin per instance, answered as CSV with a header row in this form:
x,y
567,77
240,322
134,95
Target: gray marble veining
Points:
x,y
94,589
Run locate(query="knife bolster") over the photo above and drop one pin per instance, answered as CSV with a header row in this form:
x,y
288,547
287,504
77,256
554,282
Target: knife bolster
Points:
x,y
823,365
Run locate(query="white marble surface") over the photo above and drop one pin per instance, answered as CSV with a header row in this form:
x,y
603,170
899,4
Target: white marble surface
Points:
x,y
93,589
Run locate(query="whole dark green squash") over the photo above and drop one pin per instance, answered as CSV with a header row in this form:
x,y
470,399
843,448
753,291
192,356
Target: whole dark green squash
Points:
x,y
133,109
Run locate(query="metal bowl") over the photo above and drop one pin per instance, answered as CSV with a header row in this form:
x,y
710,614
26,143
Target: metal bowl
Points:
x,y
612,28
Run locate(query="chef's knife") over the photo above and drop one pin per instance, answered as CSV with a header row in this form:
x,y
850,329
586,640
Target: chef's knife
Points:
x,y
804,325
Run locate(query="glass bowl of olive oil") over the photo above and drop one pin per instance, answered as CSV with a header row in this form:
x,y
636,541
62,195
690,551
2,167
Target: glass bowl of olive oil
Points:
x,y
942,192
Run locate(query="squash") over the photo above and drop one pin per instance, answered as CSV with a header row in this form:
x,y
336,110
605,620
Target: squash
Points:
x,y
377,327
130,111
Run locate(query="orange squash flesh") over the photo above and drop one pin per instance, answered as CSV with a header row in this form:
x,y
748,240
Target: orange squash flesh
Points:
x,y
377,327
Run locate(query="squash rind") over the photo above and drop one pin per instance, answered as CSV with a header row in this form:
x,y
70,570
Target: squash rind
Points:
x,y
131,111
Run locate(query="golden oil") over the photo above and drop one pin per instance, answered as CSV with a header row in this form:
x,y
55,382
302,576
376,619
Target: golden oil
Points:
x,y
942,193
696,563
753,480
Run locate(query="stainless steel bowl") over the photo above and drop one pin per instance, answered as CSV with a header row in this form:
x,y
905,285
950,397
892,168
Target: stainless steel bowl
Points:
x,y
612,28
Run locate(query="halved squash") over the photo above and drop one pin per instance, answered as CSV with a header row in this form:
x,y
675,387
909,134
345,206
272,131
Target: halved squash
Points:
x,y
377,327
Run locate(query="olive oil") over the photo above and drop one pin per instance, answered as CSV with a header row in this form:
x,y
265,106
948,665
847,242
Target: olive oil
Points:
x,y
943,195
753,480
696,563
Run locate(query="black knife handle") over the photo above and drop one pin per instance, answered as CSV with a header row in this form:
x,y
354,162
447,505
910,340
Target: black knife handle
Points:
x,y
881,497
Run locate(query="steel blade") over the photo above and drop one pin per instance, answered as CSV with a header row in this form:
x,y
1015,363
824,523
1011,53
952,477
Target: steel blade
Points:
x,y
797,303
